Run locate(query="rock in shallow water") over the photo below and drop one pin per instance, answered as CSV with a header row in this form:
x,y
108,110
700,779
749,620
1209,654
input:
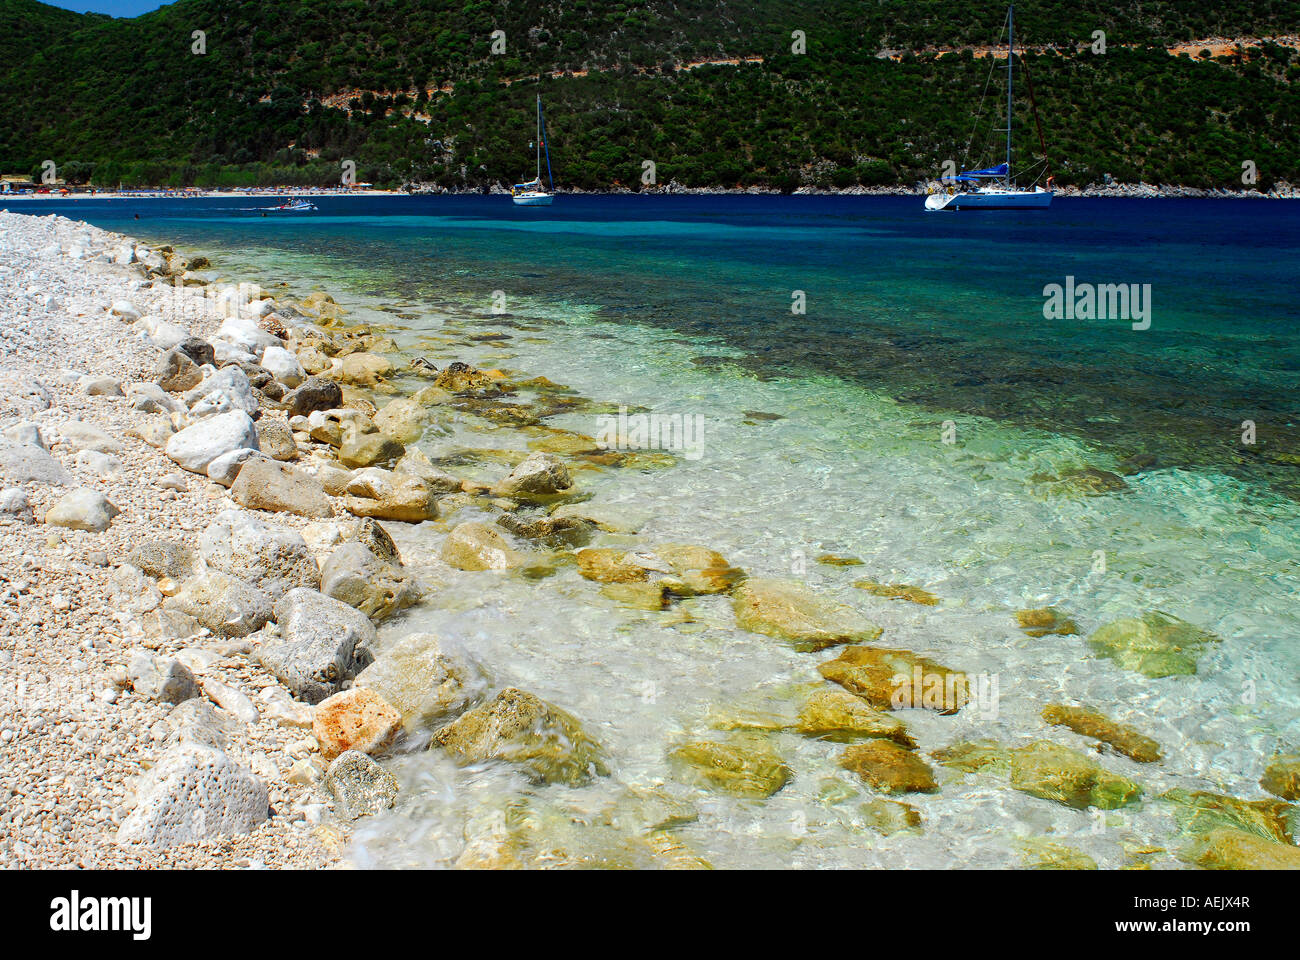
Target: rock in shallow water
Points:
x,y
1090,723
426,678
791,611
897,679
744,768
1155,644
518,727
888,768
1047,770
473,546
1282,777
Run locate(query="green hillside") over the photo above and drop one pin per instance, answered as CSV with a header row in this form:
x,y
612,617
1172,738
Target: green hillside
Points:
x,y
288,89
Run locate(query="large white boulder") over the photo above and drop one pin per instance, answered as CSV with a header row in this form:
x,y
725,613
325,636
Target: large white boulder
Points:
x,y
195,447
284,366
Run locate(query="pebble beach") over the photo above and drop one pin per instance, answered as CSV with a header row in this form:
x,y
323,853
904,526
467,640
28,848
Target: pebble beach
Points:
x,y
226,541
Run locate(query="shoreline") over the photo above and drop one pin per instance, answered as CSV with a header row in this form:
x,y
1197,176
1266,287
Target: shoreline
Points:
x,y
99,626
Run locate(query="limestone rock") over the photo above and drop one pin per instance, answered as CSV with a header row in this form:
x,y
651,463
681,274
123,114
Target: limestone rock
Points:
x,y
557,532
360,786
1090,723
176,372
275,439
82,509
539,477
194,792
403,498
356,719
1155,644
371,584
898,591
743,769
1228,849
791,611
416,464
273,559
270,485
195,447
284,366
222,603
1047,770
29,463
403,420
315,393
897,679
163,558
226,468
1046,620
362,445
888,817
888,768
520,728
473,546
426,678
698,571
322,644
164,679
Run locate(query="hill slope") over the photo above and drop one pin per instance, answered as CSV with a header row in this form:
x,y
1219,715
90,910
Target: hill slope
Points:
x,y
410,90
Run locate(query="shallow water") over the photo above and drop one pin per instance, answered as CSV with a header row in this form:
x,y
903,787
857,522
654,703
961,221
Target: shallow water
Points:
x,y
683,306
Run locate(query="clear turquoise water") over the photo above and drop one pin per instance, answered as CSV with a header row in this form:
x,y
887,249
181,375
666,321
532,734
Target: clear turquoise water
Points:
x,y
683,306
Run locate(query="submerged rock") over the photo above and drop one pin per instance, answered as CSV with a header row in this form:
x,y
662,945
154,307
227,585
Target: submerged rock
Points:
x,y
1046,620
362,445
1044,855
1046,770
1227,849
356,719
558,532
698,571
888,768
607,565
791,611
404,498
898,591
743,768
832,714
426,678
1090,723
1156,644
473,546
897,679
888,817
360,786
1282,776
1198,812
520,728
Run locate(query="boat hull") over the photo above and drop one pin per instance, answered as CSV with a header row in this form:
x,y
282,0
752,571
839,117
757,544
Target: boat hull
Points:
x,y
533,199
1036,199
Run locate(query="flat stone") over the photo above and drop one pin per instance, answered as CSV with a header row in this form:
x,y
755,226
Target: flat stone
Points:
x,y
1155,644
474,546
1090,723
791,611
873,673
889,768
742,769
269,485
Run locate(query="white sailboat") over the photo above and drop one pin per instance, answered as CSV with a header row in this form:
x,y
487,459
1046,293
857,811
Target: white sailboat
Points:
x,y
533,193
994,188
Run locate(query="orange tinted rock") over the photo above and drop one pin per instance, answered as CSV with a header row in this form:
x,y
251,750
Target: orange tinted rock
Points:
x,y
897,679
356,719
1090,723
888,768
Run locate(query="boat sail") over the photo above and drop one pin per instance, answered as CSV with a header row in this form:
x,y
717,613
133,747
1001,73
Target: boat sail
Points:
x,y
533,193
995,188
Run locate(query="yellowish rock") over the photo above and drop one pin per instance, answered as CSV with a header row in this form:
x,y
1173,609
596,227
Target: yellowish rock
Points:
x,y
897,679
1090,723
744,769
356,719
889,768
791,611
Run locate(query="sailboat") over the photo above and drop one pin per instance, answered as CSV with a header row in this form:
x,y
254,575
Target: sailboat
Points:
x,y
533,193
994,188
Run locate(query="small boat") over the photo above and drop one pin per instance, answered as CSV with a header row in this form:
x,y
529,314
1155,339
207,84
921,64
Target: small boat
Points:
x,y
995,188
295,206
533,193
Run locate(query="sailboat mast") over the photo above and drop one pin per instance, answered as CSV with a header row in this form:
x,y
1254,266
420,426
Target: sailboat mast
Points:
x,y
1011,55
539,136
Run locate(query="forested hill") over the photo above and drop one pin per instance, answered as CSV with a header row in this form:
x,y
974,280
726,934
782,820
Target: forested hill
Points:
x,y
715,94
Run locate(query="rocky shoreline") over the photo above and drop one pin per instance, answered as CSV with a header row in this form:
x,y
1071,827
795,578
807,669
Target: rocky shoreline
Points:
x,y
214,496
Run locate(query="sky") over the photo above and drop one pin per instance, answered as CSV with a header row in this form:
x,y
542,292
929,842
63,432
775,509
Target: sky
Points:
x,y
117,8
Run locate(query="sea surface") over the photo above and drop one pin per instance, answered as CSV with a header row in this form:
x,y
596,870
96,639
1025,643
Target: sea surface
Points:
x,y
874,382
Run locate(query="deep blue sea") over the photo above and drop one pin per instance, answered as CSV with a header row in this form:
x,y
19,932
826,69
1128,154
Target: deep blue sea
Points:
x,y
922,415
